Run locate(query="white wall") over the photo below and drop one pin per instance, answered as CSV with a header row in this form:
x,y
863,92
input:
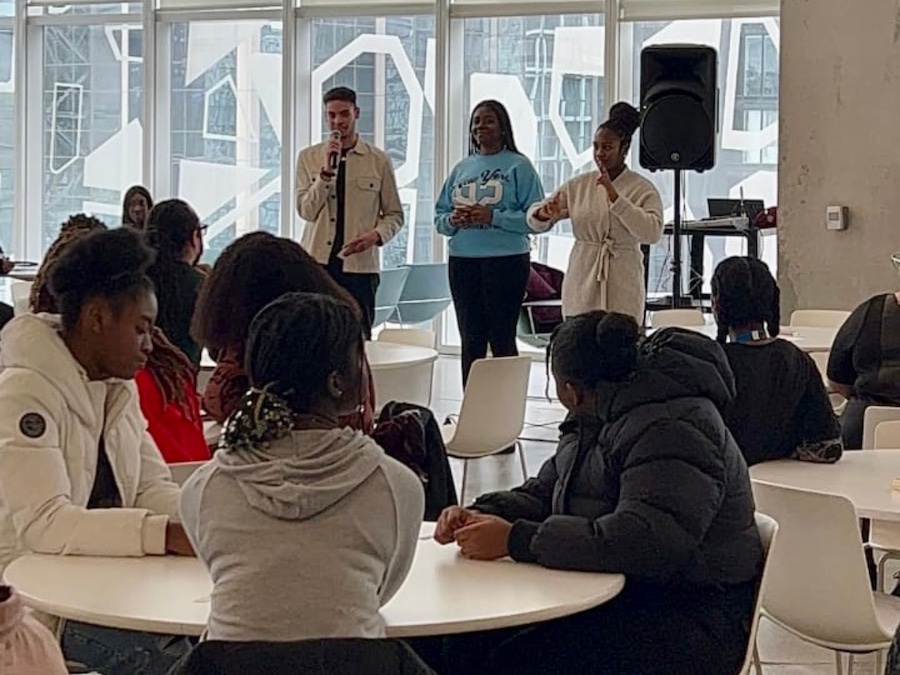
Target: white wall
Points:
x,y
839,144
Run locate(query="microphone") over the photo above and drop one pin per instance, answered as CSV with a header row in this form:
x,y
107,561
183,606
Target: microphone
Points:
x,y
334,158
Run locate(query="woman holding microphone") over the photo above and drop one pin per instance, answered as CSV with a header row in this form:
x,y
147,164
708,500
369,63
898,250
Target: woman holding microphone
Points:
x,y
613,212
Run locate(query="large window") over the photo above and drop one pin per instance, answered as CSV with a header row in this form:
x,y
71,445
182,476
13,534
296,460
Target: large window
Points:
x,y
225,126
7,137
91,91
389,62
747,154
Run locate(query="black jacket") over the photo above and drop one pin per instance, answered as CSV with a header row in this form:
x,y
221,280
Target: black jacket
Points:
x,y
653,486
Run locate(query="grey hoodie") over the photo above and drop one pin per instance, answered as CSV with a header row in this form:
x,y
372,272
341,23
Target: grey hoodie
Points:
x,y
308,542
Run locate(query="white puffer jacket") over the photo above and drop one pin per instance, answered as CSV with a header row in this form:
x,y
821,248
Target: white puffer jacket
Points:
x,y
51,421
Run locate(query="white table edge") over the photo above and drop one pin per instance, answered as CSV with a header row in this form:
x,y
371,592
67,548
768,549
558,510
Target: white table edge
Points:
x,y
617,583
106,621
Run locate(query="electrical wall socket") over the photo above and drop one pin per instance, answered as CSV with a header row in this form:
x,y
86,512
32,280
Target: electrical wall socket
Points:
x,y
836,218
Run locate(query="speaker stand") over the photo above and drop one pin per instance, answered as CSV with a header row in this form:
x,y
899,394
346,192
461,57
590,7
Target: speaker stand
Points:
x,y
676,244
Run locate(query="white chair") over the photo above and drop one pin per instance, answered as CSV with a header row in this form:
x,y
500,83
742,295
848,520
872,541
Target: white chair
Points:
x,y
887,435
492,413
819,318
875,415
768,529
21,293
184,470
818,586
884,536
838,402
677,317
408,336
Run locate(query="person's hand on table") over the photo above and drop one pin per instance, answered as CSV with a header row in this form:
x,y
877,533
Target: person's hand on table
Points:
x,y
484,539
451,519
177,542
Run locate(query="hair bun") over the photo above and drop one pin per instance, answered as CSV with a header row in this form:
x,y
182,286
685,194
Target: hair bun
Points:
x,y
617,336
626,115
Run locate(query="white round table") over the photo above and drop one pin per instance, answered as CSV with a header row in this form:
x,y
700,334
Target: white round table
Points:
x,y
806,338
401,372
443,594
862,476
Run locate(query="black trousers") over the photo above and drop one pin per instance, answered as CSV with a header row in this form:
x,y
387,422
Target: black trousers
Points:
x,y
632,634
487,295
362,287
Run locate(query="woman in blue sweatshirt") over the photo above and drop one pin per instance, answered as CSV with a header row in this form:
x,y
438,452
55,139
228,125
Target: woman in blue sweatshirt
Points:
x,y
482,209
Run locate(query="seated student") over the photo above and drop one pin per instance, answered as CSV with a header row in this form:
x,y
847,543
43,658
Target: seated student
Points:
x,y
166,389
781,408
289,477
135,207
175,233
252,272
864,365
646,482
79,474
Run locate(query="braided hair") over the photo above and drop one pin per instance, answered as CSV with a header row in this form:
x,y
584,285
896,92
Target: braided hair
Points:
x,y
249,274
745,292
78,225
596,347
294,344
624,120
503,119
172,371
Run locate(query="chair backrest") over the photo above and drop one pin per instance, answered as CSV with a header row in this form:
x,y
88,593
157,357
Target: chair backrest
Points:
x,y
408,336
818,584
426,293
493,406
21,293
184,470
887,435
387,297
875,415
677,317
336,656
768,530
821,361
819,318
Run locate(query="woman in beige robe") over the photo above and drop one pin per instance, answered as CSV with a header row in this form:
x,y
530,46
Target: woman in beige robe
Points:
x,y
613,212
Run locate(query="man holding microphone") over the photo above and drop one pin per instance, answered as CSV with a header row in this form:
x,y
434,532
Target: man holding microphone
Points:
x,y
347,194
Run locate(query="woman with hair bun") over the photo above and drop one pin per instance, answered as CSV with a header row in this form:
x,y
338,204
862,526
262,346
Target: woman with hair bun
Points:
x,y
646,482
613,212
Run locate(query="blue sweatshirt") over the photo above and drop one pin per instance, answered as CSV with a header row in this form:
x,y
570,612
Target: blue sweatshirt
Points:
x,y
505,182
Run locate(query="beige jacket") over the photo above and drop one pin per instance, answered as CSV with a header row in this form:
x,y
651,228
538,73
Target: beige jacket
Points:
x,y
371,203
606,266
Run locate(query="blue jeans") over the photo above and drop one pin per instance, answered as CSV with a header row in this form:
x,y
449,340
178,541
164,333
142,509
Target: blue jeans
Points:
x,y
120,652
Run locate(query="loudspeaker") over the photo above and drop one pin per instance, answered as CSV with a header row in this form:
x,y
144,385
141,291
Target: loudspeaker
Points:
x,y
678,107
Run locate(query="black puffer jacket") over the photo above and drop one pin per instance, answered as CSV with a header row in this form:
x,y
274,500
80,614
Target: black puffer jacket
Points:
x,y
653,487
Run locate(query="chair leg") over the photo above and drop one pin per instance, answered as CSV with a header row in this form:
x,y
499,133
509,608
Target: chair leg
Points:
x,y
462,488
879,573
850,664
757,662
522,459
839,661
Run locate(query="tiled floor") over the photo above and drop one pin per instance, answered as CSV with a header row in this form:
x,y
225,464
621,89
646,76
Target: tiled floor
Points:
x,y
781,653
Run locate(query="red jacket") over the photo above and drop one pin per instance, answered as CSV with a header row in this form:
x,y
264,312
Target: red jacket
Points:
x,y
178,436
